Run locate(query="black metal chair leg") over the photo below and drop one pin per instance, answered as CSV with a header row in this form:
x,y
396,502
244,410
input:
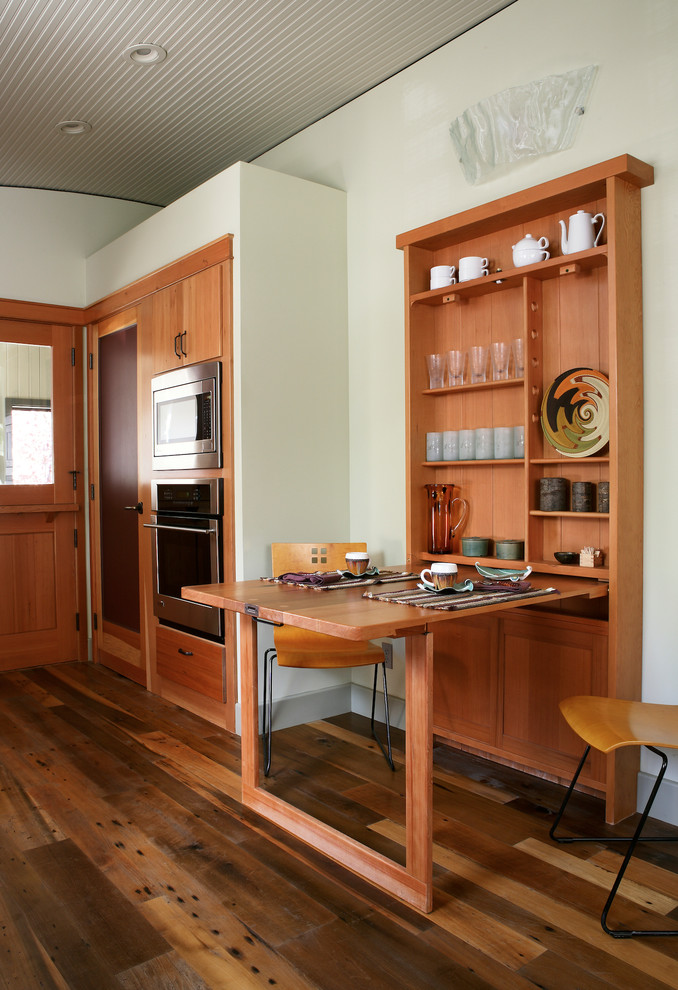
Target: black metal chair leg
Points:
x,y
388,753
633,840
269,656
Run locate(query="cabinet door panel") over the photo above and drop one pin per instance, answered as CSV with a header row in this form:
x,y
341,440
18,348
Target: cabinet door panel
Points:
x,y
545,661
465,676
201,312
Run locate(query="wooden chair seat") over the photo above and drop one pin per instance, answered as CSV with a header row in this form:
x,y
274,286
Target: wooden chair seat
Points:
x,y
303,648
607,724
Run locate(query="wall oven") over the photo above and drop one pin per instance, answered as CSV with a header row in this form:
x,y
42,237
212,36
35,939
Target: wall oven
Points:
x,y
186,534
187,418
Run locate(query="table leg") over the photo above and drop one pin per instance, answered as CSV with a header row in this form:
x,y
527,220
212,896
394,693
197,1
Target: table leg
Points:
x,y
419,754
249,703
412,883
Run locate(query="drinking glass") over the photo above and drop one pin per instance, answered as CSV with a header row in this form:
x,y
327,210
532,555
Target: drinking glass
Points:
x,y
467,445
503,442
451,445
434,446
518,348
478,360
455,363
436,364
500,360
484,443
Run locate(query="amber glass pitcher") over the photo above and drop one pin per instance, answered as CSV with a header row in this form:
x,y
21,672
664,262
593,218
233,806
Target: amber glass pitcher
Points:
x,y
442,509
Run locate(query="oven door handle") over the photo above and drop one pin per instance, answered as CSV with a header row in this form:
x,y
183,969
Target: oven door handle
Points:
x,y
183,529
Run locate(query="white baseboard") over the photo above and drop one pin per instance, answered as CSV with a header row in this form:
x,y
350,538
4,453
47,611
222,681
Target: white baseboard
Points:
x,y
665,806
315,705
361,704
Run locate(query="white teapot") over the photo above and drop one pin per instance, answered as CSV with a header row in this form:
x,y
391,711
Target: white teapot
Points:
x,y
529,251
580,237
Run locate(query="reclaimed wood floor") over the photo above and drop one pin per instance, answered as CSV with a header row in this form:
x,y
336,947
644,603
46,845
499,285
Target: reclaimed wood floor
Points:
x,y
127,861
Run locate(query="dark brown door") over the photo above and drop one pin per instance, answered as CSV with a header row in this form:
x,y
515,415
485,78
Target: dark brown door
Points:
x,y
118,640
118,478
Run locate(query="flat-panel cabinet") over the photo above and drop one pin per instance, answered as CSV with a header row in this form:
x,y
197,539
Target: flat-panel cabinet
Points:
x,y
187,320
571,311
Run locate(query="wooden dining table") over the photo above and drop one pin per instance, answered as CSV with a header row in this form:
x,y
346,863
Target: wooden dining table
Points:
x,y
345,613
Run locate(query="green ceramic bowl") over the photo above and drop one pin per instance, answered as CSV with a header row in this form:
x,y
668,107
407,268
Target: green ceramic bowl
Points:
x,y
474,546
509,549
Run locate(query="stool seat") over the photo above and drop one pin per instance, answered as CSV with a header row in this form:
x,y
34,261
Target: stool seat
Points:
x,y
608,723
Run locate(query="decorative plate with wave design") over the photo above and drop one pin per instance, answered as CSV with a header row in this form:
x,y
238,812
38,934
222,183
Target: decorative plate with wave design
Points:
x,y
575,412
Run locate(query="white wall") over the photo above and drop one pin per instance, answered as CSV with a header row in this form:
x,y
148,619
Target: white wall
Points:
x,y
46,237
392,153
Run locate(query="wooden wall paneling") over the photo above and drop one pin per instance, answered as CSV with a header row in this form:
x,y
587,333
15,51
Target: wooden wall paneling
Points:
x,y
544,660
466,679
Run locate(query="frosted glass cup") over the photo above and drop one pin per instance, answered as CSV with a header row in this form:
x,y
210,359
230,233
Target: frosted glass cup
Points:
x,y
434,446
519,441
455,365
437,368
451,445
503,442
467,445
484,443
501,352
518,348
478,362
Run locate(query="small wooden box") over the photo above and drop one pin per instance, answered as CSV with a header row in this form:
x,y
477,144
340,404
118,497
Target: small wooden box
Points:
x,y
591,558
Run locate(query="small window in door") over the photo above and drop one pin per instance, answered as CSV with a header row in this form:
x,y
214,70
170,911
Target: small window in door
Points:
x,y
26,429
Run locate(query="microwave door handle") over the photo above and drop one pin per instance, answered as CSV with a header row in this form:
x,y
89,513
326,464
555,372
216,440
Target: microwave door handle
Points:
x,y
183,529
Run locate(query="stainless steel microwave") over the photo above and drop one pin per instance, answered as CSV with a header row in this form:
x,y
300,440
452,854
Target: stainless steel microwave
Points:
x,y
187,418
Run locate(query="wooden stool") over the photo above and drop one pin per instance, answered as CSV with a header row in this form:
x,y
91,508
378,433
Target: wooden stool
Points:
x,y
607,724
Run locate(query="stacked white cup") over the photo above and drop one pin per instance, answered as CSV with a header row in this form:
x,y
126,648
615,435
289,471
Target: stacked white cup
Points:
x,y
442,275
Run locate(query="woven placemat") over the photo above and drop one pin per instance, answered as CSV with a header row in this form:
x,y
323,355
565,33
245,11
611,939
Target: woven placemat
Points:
x,y
384,577
454,602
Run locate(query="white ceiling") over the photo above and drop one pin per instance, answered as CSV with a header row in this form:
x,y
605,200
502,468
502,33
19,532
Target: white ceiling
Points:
x,y
240,77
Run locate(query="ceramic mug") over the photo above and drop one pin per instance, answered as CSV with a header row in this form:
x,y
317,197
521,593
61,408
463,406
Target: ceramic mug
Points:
x,y
472,266
441,576
357,562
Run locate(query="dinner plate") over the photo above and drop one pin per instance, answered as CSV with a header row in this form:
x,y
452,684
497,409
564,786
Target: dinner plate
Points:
x,y
575,412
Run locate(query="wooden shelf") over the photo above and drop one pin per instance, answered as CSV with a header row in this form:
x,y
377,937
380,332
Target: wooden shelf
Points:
x,y
476,387
511,278
560,461
570,515
499,462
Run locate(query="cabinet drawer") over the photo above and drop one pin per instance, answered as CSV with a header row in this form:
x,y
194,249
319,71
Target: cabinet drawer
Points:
x,y
192,662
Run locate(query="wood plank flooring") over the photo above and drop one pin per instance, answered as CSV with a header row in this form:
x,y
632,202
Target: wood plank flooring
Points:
x,y
127,861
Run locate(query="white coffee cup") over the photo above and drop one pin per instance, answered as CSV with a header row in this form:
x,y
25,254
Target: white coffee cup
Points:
x,y
442,275
441,575
357,562
472,266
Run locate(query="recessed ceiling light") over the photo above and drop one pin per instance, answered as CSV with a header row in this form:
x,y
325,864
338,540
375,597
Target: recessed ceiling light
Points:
x,y
145,54
74,126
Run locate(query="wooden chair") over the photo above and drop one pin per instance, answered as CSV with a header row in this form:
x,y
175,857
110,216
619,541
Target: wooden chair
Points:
x,y
301,648
608,724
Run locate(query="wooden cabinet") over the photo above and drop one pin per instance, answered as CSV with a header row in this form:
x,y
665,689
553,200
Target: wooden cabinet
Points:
x,y
192,662
187,320
577,311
